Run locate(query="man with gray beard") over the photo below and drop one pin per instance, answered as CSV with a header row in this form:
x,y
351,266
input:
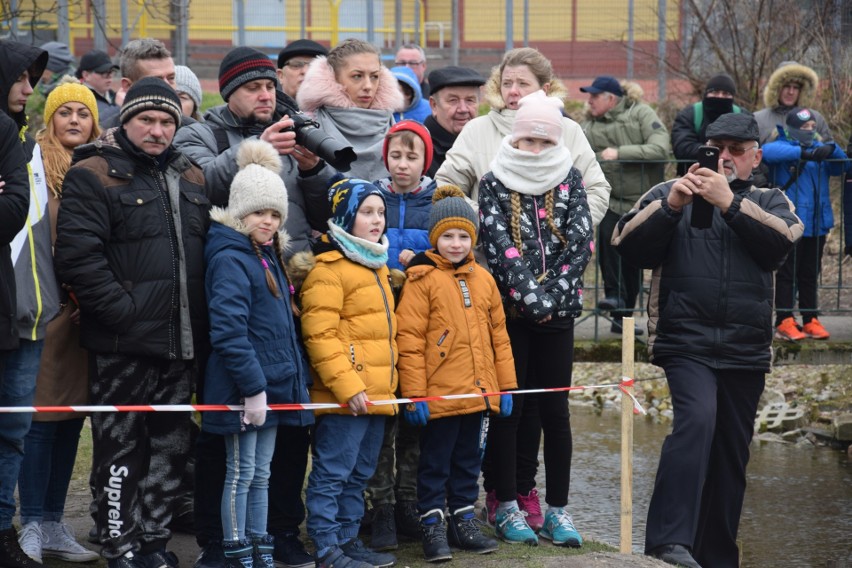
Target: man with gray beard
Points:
x,y
710,328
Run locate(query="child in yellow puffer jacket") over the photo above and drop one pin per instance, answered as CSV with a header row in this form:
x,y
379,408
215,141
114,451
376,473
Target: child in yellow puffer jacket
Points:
x,y
349,331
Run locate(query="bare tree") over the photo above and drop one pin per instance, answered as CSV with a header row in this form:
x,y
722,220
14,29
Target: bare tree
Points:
x,y
749,38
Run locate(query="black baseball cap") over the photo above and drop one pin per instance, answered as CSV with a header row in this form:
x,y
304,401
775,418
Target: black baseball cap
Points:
x,y
604,83
96,61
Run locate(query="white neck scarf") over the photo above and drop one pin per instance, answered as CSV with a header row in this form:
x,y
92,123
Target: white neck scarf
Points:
x,y
528,173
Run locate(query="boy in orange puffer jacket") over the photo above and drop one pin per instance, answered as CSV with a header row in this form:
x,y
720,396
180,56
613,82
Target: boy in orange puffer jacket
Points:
x,y
452,340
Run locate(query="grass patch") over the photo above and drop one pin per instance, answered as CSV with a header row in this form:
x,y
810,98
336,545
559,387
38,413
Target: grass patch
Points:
x,y
209,100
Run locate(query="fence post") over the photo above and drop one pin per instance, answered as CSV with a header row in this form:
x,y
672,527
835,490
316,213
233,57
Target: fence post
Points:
x,y
627,375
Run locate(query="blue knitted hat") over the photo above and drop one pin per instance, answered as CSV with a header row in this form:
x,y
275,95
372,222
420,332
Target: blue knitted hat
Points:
x,y
346,196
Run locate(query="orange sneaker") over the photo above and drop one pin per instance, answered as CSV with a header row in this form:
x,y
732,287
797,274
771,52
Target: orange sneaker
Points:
x,y
815,330
789,330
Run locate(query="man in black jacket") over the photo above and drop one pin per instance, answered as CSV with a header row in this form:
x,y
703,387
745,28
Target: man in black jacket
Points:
x,y
130,243
710,327
690,124
14,206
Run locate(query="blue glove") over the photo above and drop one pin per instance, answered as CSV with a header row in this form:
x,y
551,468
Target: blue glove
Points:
x,y
505,405
417,414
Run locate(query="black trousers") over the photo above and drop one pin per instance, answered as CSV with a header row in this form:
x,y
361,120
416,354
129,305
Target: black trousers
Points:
x,y
701,479
543,359
800,273
619,278
289,464
448,474
138,458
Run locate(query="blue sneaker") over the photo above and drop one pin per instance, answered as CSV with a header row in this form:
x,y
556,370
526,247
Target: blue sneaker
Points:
x,y
559,529
511,526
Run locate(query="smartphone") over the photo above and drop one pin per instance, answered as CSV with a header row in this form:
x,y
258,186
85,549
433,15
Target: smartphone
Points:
x,y
702,212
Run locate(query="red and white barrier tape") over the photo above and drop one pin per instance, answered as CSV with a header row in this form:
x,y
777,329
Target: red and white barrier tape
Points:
x,y
310,406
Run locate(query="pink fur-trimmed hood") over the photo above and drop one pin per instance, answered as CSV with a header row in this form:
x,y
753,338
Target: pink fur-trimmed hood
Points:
x,y
320,89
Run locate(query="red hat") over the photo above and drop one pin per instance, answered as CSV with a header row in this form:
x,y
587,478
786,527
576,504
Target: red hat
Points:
x,y
420,131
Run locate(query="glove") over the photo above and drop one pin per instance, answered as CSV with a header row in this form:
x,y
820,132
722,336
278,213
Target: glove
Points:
x,y
505,405
818,154
417,414
255,409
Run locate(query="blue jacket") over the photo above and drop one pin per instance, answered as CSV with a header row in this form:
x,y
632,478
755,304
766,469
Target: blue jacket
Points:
x,y
419,108
255,347
809,193
407,218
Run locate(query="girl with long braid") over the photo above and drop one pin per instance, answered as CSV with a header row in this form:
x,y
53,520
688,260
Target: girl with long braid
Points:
x,y
536,231
256,356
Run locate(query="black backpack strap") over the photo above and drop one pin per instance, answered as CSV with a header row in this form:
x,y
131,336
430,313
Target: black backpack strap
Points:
x,y
221,136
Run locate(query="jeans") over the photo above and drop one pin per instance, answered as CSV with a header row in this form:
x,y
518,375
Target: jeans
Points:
x,y
449,463
245,500
16,389
346,449
47,468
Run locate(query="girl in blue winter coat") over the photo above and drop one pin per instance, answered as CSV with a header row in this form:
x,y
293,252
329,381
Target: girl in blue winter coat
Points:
x,y
256,357
801,165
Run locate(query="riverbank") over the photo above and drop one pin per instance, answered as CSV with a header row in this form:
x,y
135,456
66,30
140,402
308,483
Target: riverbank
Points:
x,y
825,390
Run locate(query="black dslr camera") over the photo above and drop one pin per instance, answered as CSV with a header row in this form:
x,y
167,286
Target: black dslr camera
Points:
x,y
310,135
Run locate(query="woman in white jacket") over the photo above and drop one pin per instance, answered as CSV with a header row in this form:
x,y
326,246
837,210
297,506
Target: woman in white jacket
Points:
x,y
521,72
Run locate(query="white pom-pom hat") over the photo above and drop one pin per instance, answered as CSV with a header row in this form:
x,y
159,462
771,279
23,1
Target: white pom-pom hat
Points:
x,y
258,185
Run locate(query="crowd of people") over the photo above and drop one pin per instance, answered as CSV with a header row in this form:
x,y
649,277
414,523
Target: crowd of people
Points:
x,y
154,252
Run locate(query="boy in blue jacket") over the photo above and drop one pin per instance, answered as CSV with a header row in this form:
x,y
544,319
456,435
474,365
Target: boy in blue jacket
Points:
x,y
801,165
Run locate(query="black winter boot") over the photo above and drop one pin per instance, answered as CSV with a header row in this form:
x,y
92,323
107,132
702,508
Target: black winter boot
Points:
x,y
11,555
238,554
434,533
384,528
407,519
464,532
261,554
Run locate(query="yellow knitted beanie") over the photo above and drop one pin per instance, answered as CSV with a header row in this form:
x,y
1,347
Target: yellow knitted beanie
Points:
x,y
70,90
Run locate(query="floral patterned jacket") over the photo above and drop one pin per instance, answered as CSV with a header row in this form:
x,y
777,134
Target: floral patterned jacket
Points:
x,y
545,277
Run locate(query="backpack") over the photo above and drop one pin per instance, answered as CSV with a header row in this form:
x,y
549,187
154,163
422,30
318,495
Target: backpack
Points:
x,y
698,115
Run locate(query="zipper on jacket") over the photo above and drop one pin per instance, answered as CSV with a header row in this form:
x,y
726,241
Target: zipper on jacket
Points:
x,y
723,293
390,324
165,200
352,353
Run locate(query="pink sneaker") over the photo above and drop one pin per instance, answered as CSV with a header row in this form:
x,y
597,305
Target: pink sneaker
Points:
x,y
489,512
531,507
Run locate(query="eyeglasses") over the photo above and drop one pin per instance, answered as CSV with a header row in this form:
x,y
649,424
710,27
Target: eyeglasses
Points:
x,y
732,149
409,63
297,64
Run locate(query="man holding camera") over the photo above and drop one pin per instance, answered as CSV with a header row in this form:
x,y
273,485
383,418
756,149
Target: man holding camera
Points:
x,y
710,327
248,84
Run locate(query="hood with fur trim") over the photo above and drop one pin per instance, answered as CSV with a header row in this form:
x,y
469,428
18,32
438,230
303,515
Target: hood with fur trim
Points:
x,y
791,72
495,99
633,95
222,216
320,89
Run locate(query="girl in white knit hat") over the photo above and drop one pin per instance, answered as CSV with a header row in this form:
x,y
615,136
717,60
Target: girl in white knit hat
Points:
x,y
256,358
536,231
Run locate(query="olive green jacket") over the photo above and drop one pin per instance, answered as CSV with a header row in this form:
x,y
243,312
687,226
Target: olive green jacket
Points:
x,y
635,130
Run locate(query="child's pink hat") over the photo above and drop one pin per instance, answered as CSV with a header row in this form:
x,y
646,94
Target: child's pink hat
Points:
x,y
538,116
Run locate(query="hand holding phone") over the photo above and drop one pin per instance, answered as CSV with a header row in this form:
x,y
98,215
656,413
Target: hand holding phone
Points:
x,y
702,212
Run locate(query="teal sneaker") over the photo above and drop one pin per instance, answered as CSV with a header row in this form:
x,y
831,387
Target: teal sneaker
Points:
x,y
559,529
511,526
